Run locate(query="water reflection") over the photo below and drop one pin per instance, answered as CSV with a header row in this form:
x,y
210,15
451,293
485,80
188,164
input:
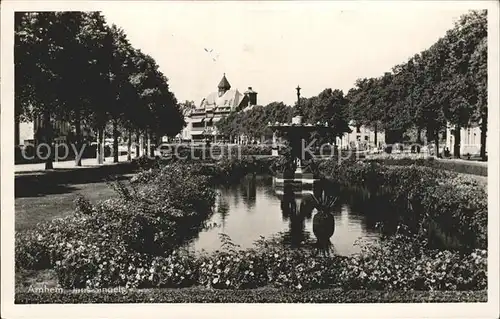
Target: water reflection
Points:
x,y
296,234
248,190
256,207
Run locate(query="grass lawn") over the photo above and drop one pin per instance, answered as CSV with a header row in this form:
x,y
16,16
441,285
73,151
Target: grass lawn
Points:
x,y
32,210
43,196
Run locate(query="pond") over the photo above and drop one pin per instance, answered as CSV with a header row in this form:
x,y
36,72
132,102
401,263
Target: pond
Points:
x,y
254,208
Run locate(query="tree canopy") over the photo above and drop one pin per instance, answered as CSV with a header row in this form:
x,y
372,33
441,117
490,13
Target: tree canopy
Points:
x,y
73,66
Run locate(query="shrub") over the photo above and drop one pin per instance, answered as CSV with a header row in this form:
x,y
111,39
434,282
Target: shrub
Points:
x,y
471,167
425,198
40,247
147,217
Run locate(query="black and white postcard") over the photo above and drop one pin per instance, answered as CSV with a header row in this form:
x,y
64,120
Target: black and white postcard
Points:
x,y
281,159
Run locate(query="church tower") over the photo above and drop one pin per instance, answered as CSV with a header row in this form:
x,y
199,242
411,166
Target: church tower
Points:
x,y
224,85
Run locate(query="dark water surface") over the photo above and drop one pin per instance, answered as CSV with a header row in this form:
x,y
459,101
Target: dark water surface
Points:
x,y
254,208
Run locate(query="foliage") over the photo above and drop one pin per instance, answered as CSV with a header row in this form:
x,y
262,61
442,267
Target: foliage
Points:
x,y
397,264
72,66
136,239
445,83
147,218
454,166
253,123
425,197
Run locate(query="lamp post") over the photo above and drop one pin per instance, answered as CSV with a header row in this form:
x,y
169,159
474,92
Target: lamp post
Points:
x,y
297,117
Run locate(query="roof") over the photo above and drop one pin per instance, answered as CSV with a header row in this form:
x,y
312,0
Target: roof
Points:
x,y
224,84
231,99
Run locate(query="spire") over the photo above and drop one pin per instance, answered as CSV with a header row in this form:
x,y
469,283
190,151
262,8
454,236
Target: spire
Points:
x,y
224,84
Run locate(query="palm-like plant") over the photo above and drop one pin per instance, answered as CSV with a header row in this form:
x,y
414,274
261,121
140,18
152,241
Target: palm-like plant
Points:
x,y
325,202
324,221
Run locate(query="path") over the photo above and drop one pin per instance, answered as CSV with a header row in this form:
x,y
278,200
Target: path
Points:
x,y
87,162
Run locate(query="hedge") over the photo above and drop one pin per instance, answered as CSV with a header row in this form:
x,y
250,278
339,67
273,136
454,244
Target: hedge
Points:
x,y
262,295
464,167
458,204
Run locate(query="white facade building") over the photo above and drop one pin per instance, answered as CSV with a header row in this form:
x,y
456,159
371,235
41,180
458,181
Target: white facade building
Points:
x,y
470,140
200,122
361,137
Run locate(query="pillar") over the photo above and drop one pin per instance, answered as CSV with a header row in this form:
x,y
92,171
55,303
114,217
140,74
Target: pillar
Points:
x,y
274,151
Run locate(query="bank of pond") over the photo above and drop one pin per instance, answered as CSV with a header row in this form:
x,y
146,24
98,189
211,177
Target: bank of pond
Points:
x,y
228,225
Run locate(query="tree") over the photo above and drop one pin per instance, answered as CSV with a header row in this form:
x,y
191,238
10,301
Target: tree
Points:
x,y
37,92
479,72
330,106
463,40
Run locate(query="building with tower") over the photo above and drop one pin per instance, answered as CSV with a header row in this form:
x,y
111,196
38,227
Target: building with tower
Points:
x,y
200,122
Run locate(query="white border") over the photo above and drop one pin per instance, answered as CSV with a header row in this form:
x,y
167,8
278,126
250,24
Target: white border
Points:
x,y
9,310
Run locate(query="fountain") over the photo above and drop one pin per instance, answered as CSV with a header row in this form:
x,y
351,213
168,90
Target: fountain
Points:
x,y
296,133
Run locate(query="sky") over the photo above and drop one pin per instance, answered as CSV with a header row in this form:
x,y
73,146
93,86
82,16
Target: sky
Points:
x,y
275,46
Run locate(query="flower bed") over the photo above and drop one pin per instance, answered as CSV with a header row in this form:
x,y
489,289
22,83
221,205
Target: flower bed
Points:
x,y
394,266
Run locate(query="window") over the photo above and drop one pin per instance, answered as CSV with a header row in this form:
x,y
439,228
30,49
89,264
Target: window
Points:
x,y
366,137
358,128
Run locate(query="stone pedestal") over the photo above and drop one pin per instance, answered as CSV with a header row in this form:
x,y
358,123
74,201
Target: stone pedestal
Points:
x,y
298,170
274,151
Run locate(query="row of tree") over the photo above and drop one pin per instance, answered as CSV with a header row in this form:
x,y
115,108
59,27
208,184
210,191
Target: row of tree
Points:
x,y
74,67
328,106
446,83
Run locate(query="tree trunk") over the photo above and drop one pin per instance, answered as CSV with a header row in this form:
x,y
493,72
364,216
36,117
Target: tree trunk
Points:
x,y
17,140
49,162
151,152
138,144
436,141
100,145
419,136
456,144
145,143
141,144
129,146
484,130
375,139
78,140
115,141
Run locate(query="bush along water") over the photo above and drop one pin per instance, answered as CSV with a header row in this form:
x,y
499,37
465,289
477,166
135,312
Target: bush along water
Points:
x,y
156,214
449,210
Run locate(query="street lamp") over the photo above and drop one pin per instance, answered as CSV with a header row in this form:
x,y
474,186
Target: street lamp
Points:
x,y
297,116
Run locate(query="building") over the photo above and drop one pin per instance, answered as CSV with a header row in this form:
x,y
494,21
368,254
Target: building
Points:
x,y
26,132
200,122
361,137
470,140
